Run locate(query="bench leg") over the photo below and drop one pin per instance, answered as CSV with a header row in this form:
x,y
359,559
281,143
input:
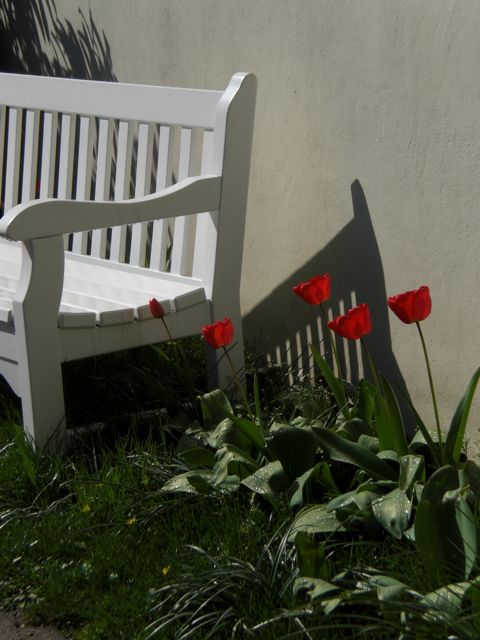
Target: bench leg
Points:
x,y
35,310
42,402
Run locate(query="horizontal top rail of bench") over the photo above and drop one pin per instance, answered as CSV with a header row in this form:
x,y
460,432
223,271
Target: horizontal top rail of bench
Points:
x,y
144,103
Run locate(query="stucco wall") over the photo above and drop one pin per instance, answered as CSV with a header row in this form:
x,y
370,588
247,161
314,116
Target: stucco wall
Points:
x,y
365,162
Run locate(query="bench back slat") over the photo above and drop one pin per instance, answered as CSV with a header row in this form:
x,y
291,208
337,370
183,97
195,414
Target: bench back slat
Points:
x,y
102,180
48,154
14,138
30,154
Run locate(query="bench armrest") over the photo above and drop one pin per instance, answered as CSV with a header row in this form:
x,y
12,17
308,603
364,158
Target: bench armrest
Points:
x,y
46,218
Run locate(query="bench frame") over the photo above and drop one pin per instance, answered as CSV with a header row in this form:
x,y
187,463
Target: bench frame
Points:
x,y
32,344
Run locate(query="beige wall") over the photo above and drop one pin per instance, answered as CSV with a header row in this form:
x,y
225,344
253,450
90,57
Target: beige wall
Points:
x,y
382,95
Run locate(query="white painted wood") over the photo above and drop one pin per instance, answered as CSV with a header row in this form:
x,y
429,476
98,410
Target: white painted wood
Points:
x,y
57,305
13,158
143,177
183,237
30,151
158,254
2,146
122,187
84,176
48,155
169,105
102,180
44,218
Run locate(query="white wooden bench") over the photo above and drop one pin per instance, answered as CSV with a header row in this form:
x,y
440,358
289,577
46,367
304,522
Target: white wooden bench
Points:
x,y
97,184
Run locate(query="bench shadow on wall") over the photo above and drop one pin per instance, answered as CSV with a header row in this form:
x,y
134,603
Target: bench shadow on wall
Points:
x,y
287,325
34,40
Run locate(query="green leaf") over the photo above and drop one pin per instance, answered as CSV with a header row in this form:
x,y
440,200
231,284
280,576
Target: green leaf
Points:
x,y
412,470
227,433
365,401
355,454
250,430
232,461
316,477
310,556
396,421
215,407
456,431
392,511
353,429
315,520
308,589
295,447
199,457
194,482
334,384
269,481
445,547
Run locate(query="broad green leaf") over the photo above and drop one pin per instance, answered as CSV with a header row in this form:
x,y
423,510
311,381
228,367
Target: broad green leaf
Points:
x,y
395,417
448,599
393,512
365,401
250,430
467,526
215,407
305,485
199,457
232,461
370,443
310,556
194,482
308,589
269,481
353,429
334,384
315,520
456,431
438,536
355,454
227,433
295,447
412,470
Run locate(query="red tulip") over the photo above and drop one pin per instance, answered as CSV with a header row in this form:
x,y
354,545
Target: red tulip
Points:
x,y
219,334
411,306
314,291
354,324
156,308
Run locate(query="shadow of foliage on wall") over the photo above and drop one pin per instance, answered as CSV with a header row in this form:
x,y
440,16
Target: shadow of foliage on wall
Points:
x,y
34,40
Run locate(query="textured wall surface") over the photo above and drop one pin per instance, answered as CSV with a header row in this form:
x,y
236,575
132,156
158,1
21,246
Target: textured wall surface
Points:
x,y
365,161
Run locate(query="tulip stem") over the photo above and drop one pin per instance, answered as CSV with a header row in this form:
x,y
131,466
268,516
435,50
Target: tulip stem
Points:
x,y
371,365
332,342
432,388
240,386
167,329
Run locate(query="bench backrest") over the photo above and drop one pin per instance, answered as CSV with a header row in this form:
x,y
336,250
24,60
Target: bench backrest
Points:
x,y
74,139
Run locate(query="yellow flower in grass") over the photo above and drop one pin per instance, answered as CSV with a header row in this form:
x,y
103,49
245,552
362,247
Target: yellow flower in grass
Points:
x,y
86,508
165,570
131,521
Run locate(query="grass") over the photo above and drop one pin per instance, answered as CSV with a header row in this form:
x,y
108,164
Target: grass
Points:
x,y
90,543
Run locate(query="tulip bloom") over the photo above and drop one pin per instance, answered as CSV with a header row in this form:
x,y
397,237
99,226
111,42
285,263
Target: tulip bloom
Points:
x,y
219,334
355,324
314,291
411,306
156,308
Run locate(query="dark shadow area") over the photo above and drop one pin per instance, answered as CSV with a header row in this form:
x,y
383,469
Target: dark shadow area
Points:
x,y
288,325
34,40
